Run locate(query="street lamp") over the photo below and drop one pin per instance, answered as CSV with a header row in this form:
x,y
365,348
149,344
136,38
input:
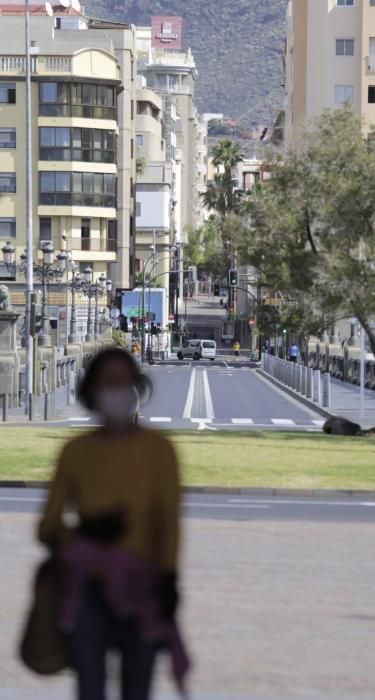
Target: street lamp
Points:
x,y
93,290
45,273
74,286
86,288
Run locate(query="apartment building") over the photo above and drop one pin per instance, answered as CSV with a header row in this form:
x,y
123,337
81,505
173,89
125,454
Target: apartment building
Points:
x,y
330,59
83,160
153,189
172,74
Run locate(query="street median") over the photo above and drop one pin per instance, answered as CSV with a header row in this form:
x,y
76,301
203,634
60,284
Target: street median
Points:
x,y
222,460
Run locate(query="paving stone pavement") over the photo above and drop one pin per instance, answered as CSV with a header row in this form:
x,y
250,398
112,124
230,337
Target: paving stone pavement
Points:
x,y
273,610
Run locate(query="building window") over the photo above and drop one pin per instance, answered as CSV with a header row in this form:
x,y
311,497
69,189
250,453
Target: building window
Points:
x,y
132,110
345,3
87,145
112,235
371,94
7,228
45,229
87,100
7,138
344,93
85,234
8,93
131,148
131,192
372,3
7,182
77,189
138,209
139,139
344,47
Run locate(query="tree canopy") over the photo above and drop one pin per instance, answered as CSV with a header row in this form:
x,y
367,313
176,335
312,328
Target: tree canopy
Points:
x,y
310,229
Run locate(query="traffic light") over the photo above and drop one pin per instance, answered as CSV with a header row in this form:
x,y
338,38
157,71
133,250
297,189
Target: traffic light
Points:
x,y
233,278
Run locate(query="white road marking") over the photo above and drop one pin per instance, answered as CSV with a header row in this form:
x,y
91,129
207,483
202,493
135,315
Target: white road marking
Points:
x,y
302,502
80,419
282,421
203,423
162,419
190,396
193,504
207,395
242,421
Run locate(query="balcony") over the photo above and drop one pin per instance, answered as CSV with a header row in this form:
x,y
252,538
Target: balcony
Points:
x,y
16,65
94,245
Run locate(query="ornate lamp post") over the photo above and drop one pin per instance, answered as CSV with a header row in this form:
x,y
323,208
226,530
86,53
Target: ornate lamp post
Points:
x,y
45,273
93,290
74,285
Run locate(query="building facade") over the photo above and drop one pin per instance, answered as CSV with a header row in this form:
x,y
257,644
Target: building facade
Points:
x,y
83,160
153,190
330,59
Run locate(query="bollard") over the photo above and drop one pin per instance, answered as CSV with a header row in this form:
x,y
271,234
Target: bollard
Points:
x,y
48,405
310,383
71,388
299,378
317,387
294,370
304,381
326,390
5,408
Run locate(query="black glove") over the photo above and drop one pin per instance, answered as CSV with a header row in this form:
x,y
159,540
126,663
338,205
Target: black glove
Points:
x,y
168,595
105,528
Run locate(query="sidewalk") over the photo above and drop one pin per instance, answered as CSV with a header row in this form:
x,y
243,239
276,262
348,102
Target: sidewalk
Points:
x,y
345,402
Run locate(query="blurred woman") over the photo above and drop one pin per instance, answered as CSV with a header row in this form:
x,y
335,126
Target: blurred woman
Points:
x,y
120,561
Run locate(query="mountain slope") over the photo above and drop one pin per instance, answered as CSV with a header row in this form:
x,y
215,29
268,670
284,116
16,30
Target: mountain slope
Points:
x,y
237,45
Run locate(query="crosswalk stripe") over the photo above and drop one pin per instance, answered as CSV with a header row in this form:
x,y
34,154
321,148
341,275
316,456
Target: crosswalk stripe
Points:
x,y
242,421
161,419
282,421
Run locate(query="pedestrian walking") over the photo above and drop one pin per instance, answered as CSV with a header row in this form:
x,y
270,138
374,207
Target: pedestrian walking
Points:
x,y
120,563
236,348
293,352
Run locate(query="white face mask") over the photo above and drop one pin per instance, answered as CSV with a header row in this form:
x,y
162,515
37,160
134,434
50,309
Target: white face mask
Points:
x,y
117,406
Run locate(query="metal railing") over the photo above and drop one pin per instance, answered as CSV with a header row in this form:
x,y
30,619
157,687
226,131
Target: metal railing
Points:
x,y
305,381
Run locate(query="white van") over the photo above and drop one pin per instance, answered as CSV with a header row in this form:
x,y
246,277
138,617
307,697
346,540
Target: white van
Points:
x,y
208,349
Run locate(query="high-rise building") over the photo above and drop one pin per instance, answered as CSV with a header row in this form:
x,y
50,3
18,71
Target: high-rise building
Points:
x,y
330,59
83,158
153,188
171,72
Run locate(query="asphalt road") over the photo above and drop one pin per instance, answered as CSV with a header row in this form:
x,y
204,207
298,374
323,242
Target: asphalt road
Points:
x,y
218,395
231,508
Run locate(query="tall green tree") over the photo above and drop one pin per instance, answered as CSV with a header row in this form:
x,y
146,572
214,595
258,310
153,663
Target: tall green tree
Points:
x,y
312,228
221,196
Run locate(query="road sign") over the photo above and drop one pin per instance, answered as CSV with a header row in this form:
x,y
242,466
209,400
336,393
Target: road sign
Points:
x,y
251,323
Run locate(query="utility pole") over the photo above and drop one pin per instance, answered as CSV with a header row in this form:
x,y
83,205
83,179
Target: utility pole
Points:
x,y
29,403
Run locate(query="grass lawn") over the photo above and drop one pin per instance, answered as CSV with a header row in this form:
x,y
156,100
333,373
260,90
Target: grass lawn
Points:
x,y
269,459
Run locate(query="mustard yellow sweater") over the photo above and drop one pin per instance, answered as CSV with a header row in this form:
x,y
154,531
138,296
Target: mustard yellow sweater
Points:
x,y
96,474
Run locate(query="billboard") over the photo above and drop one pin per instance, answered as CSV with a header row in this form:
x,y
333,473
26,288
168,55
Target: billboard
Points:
x,y
166,32
155,305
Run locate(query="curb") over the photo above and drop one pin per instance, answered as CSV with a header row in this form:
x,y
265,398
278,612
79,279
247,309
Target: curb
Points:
x,y
302,399
231,491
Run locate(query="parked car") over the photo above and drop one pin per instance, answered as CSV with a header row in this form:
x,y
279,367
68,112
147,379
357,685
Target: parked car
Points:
x,y
208,349
190,348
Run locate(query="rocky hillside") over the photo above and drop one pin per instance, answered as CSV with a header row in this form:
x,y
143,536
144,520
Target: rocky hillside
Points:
x,y
237,45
